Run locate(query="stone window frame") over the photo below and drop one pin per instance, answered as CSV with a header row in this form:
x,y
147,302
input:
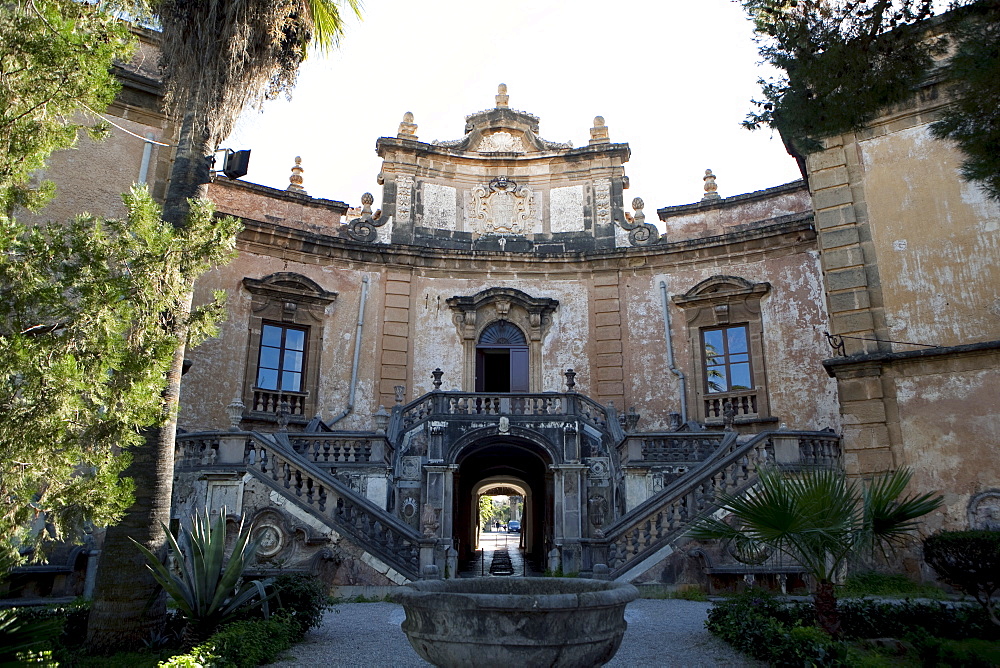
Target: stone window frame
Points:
x,y
473,314
285,299
719,302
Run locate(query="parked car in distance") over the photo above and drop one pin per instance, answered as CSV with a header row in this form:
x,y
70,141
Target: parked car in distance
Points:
x,y
513,526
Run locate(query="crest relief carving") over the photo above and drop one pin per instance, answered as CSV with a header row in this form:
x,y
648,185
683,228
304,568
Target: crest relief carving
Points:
x,y
502,207
501,142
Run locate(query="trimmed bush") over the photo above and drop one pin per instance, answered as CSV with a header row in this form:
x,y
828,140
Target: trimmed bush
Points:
x,y
785,634
969,561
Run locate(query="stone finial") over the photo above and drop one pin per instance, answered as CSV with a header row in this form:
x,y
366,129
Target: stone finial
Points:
x,y
638,205
295,180
502,96
599,133
710,186
407,129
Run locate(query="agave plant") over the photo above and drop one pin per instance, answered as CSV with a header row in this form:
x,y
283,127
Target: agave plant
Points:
x,y
819,518
208,588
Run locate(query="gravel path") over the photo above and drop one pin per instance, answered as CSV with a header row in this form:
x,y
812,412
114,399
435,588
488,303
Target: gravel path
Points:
x,y
660,633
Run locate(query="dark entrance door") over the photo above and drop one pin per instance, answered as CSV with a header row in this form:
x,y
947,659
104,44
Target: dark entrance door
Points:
x,y
502,359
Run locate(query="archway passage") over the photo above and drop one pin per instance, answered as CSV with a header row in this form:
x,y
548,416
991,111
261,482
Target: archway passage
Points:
x,y
502,359
504,464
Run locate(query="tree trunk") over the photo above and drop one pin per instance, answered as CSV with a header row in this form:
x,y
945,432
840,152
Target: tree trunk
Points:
x,y
128,606
825,602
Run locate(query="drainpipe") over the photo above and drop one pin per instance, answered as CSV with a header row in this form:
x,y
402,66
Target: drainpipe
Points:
x,y
147,152
670,351
357,354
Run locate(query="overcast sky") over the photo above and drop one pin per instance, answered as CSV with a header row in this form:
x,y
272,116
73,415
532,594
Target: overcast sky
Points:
x,y
672,78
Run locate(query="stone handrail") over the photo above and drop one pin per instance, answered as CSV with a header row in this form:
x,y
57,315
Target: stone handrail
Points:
x,y
296,472
679,447
662,519
328,449
325,449
197,449
455,405
318,492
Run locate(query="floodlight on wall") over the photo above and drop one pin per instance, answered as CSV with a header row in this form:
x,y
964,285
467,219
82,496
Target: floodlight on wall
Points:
x,y
236,163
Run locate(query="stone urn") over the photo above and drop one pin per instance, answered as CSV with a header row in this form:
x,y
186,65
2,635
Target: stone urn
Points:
x,y
500,622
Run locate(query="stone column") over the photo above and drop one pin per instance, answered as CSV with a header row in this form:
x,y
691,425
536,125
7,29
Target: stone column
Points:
x,y
569,487
440,495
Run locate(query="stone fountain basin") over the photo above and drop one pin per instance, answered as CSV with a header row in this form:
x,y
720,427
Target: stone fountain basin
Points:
x,y
518,622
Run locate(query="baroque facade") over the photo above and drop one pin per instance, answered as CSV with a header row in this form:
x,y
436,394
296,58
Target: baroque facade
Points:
x,y
502,322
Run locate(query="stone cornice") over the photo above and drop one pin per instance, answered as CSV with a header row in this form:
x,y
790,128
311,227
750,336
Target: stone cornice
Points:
x,y
709,205
842,365
454,153
775,239
284,195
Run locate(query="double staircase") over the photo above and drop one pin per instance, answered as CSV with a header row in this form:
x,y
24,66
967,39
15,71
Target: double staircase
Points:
x,y
309,471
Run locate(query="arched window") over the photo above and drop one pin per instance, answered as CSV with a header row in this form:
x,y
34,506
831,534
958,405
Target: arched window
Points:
x,y
501,330
502,359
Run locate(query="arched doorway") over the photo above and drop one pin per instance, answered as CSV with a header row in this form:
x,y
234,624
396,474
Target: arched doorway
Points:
x,y
498,462
502,359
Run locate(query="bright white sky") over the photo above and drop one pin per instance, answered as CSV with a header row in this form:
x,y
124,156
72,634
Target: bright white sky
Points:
x,y
672,78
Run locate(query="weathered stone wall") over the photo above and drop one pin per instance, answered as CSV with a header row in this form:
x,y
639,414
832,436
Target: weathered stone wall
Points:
x,y
716,216
92,176
910,255
608,326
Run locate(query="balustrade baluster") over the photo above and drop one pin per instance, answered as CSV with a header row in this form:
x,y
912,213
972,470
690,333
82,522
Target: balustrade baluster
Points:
x,y
298,482
322,498
309,491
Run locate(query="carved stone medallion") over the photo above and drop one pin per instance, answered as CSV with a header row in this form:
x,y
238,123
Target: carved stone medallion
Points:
x,y
410,468
271,539
984,511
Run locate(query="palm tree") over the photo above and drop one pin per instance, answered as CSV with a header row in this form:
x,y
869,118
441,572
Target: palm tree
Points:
x,y
218,56
821,519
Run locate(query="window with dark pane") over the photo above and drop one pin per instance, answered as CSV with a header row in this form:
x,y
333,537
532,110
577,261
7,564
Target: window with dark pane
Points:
x,y
727,359
282,358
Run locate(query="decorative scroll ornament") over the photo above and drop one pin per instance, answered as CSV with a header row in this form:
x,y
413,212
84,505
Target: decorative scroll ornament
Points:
x,y
363,228
502,208
640,232
404,197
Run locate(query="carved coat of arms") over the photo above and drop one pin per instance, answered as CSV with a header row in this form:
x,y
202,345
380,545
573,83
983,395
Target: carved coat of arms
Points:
x,y
503,207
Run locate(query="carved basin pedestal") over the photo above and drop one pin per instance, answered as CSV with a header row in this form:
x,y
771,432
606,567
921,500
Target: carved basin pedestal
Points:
x,y
519,622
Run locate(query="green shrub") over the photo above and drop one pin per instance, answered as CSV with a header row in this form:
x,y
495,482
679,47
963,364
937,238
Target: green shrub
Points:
x,y
969,653
969,561
768,629
758,624
874,583
243,644
303,599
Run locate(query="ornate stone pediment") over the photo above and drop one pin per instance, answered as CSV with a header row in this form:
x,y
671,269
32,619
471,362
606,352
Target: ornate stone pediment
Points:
x,y
502,207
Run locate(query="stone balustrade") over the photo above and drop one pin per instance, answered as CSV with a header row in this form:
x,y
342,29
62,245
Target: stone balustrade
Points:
x,y
649,530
